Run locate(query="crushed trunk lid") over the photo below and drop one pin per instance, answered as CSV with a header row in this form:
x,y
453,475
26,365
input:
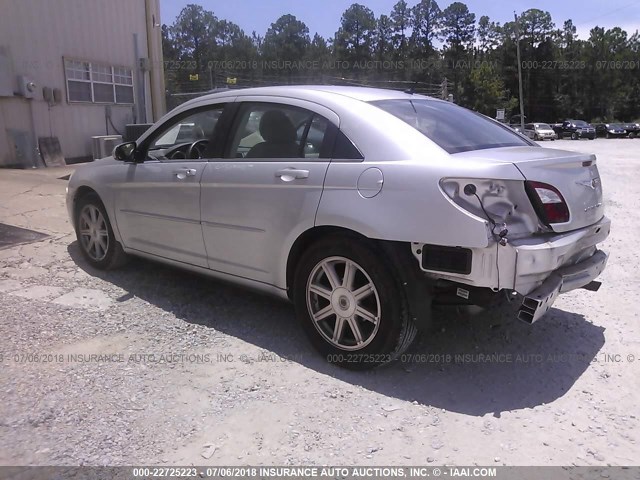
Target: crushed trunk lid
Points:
x,y
574,174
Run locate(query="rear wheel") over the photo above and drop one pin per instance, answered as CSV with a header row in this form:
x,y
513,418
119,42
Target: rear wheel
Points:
x,y
351,305
95,234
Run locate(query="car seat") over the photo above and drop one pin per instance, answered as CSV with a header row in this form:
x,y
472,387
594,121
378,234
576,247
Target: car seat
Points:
x,y
279,136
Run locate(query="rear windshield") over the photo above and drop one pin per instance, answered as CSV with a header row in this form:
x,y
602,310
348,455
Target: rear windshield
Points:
x,y
451,127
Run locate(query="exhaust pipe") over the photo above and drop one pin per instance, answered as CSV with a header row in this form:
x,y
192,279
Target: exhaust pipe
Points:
x,y
538,302
593,286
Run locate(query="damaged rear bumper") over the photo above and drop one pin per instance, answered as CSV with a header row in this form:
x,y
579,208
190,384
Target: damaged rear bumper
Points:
x,y
540,300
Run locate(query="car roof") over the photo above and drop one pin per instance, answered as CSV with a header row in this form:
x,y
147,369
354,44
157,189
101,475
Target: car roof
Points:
x,y
311,92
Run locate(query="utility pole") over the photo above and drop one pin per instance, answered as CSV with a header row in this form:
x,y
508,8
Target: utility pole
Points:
x,y
519,73
213,82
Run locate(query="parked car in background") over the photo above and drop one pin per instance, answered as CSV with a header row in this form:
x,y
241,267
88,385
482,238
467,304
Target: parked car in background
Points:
x,y
540,131
575,129
364,207
611,130
633,129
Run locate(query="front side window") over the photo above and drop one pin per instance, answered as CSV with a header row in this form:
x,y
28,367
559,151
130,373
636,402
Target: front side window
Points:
x,y
98,83
174,139
267,130
453,128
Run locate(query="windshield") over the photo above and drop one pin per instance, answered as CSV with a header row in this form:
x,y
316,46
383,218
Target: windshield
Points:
x,y
453,128
543,126
580,123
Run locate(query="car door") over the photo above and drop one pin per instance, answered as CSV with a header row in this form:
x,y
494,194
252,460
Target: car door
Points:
x,y
266,190
158,205
529,130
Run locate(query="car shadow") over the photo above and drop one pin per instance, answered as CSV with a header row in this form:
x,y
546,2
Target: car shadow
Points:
x,y
470,363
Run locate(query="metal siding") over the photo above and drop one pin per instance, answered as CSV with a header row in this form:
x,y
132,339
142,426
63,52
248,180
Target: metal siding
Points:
x,y
39,34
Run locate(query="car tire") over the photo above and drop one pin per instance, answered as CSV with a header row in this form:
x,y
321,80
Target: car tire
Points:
x,y
574,136
376,327
95,234
607,135
536,138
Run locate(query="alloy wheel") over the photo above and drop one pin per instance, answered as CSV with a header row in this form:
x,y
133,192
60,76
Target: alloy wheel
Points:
x,y
94,235
343,303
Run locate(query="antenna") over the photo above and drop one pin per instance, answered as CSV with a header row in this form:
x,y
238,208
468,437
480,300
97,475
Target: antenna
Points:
x,y
412,89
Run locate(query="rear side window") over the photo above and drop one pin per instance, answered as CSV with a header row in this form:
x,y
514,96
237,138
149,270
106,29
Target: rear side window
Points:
x,y
343,149
276,131
453,128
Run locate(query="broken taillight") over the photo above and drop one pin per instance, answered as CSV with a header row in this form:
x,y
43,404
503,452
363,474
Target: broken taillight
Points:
x,y
548,202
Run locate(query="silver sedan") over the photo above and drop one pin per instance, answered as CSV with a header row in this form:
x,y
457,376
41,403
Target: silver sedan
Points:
x,y
364,207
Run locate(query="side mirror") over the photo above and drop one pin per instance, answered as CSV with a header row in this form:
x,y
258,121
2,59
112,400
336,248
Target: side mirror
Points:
x,y
125,152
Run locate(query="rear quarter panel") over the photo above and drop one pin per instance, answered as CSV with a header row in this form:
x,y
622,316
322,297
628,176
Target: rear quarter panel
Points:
x,y
411,206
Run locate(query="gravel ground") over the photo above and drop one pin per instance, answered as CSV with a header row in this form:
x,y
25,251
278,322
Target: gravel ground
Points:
x,y
151,365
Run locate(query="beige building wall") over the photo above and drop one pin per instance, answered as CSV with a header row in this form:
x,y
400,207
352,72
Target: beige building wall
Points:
x,y
37,34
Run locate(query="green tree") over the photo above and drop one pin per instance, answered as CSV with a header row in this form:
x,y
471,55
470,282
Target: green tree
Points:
x,y
286,39
426,20
355,38
383,43
488,34
193,34
458,32
401,22
319,52
587,78
458,25
535,26
488,92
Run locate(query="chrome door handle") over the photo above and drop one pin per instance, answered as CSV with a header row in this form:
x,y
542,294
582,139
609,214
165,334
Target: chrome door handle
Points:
x,y
289,174
185,172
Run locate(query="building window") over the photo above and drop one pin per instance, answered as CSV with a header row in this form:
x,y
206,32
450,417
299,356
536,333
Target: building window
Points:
x,y
98,83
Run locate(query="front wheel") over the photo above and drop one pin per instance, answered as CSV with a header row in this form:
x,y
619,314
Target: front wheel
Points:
x,y
351,305
95,235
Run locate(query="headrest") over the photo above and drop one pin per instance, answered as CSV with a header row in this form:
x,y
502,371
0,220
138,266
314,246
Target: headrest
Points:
x,y
275,127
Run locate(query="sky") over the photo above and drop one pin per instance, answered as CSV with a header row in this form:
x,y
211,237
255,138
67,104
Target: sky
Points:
x,y
323,16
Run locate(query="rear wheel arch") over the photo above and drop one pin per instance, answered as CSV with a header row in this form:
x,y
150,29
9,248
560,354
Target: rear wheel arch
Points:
x,y
308,238
397,256
397,328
